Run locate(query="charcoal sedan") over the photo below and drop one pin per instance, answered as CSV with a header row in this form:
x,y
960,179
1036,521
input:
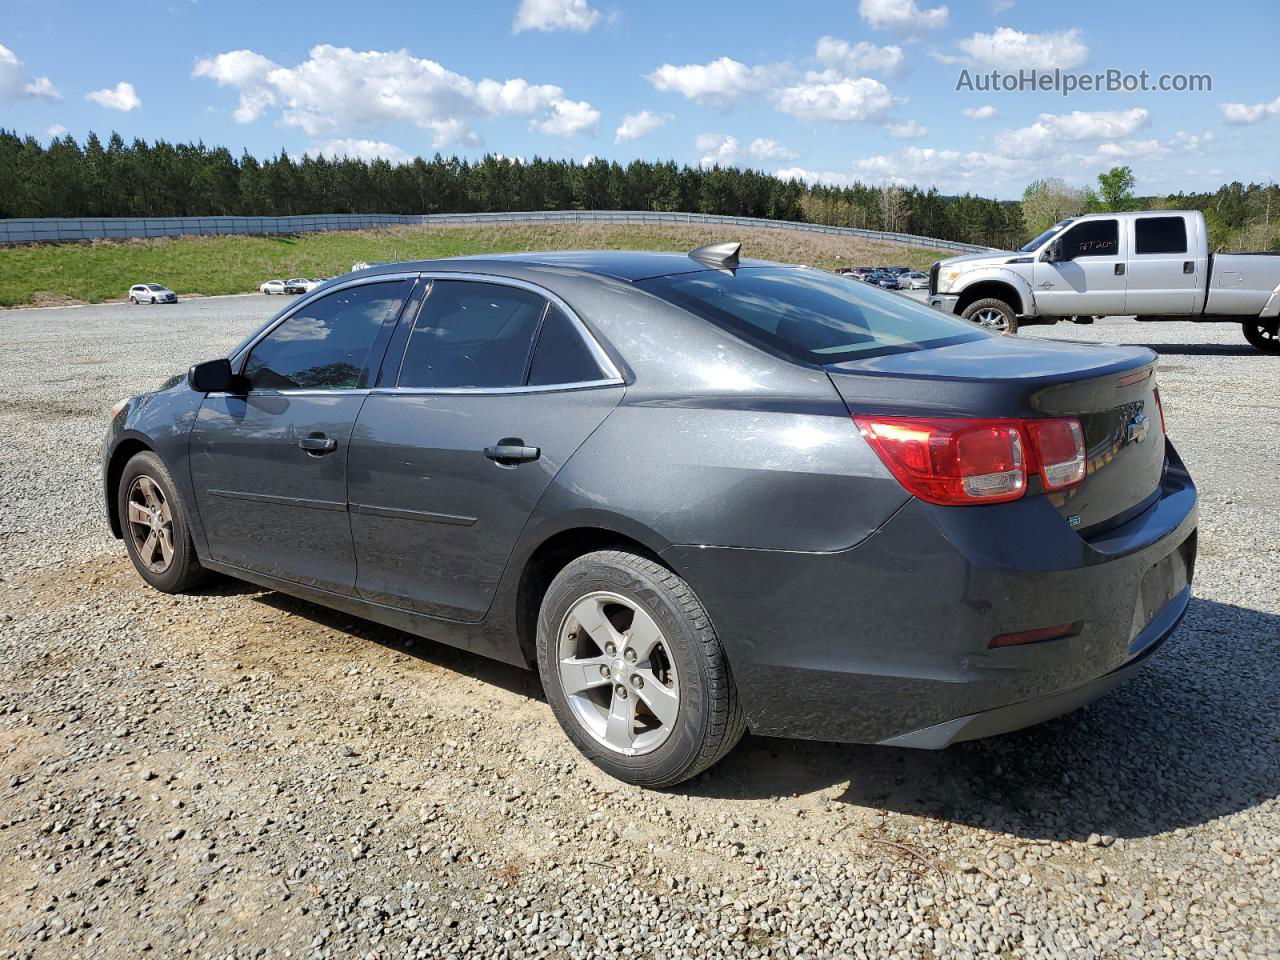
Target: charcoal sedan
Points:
x,y
700,495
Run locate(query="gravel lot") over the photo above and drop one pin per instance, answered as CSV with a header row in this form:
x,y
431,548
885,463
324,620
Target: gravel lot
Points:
x,y
241,774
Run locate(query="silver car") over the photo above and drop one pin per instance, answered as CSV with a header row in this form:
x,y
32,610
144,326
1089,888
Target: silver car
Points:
x,y
151,293
913,280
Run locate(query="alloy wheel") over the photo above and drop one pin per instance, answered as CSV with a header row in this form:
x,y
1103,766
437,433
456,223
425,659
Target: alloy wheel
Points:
x,y
618,674
150,524
991,319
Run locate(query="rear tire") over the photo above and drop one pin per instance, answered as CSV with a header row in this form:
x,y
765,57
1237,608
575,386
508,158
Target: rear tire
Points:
x,y
633,670
996,315
154,525
1263,334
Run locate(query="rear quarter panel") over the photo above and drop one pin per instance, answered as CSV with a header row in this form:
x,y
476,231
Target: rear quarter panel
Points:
x,y
1244,284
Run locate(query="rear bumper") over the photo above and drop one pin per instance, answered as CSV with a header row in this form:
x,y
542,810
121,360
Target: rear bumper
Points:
x,y
888,641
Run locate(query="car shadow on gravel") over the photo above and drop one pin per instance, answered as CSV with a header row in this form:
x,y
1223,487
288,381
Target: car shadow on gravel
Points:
x,y
1194,736
1204,349
493,672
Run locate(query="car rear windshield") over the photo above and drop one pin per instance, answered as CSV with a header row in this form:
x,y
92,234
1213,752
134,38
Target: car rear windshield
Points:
x,y
810,315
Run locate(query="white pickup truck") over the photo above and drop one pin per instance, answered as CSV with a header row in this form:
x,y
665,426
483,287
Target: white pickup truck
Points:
x,y
1153,265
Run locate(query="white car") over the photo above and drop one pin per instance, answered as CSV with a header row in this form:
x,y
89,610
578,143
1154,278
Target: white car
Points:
x,y
913,280
272,286
151,293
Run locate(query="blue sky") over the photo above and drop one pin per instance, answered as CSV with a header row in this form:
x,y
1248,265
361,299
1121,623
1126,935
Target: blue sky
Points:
x,y
835,91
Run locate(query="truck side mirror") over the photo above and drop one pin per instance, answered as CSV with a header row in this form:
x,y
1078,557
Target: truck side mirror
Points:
x,y
215,376
1054,252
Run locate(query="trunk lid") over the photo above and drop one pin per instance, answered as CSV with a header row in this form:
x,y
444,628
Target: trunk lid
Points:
x,y
1110,389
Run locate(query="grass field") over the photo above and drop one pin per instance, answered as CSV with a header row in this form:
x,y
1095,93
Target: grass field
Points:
x,y
104,270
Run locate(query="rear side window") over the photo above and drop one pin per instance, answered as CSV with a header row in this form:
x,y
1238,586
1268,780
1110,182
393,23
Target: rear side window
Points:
x,y
1093,238
561,356
1160,235
325,345
811,315
472,334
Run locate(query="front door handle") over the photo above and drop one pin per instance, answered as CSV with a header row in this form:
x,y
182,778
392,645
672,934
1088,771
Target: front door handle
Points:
x,y
1119,269
512,450
318,443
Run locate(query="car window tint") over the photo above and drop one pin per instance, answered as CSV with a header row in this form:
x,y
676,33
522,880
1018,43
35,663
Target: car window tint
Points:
x,y
325,345
472,334
1093,238
811,315
561,356
1160,235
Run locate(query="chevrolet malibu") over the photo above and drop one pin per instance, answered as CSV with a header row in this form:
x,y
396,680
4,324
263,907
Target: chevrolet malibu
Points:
x,y
700,495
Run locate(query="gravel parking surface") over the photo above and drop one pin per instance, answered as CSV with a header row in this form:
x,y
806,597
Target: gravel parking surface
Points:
x,y
241,774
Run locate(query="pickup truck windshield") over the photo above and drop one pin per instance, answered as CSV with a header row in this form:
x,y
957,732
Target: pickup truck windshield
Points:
x,y
811,315
1038,241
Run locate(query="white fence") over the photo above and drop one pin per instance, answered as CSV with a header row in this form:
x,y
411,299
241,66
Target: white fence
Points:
x,y
56,230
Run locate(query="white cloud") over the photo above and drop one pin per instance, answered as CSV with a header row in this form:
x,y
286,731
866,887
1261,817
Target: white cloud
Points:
x,y
725,150
16,85
858,58
1050,130
55,131
717,149
338,91
985,112
121,97
906,131
1011,50
829,97
762,148
1000,6
568,119
716,84
361,150
928,165
246,71
829,177
636,125
555,15
1242,114
902,16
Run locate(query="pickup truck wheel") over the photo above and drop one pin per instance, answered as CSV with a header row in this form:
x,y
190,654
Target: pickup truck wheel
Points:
x,y
993,314
1265,335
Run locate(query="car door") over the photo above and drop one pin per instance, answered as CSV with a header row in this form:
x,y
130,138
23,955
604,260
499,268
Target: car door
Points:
x,y
498,385
269,465
1163,274
1087,277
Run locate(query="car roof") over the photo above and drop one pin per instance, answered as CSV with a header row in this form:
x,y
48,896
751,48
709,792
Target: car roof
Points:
x,y
627,265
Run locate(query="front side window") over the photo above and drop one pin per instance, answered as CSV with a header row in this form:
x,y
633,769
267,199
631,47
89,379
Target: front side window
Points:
x,y
1160,235
325,345
1093,238
811,315
471,334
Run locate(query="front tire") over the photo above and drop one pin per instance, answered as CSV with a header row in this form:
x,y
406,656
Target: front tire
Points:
x,y
1263,334
156,534
995,315
634,671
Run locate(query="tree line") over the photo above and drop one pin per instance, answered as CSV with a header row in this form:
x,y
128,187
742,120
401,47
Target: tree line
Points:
x,y
117,179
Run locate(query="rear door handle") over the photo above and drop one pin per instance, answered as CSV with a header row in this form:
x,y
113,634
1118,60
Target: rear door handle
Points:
x,y
1119,269
512,450
318,443
1188,266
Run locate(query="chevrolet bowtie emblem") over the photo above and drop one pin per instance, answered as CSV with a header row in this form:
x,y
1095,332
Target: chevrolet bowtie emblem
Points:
x,y
1138,428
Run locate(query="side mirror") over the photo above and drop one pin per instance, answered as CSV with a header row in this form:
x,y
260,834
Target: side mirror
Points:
x,y
215,376
1054,253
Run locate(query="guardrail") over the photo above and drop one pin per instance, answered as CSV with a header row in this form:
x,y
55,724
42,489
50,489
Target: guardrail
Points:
x,y
58,230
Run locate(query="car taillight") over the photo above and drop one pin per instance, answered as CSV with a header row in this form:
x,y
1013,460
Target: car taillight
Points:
x,y
951,462
1059,447
961,462
1160,407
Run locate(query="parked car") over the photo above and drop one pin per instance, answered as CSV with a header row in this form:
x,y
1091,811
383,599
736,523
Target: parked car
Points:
x,y
883,279
913,280
151,293
897,271
300,285
832,513
1152,264
273,286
